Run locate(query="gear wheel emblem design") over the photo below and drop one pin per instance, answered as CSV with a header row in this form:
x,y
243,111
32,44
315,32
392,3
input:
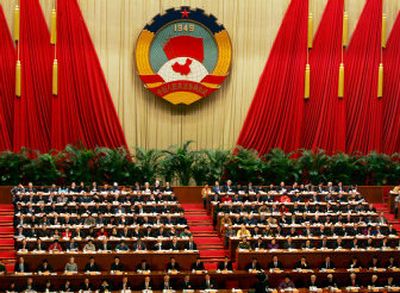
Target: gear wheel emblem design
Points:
x,y
183,55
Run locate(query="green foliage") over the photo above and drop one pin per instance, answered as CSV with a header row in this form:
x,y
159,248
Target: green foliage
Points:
x,y
183,164
200,168
148,164
313,166
178,161
41,169
279,166
77,164
114,165
245,166
11,165
217,161
342,167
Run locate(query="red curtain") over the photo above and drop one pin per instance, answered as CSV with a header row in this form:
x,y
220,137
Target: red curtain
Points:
x,y
324,123
363,107
32,112
391,99
275,115
83,111
7,77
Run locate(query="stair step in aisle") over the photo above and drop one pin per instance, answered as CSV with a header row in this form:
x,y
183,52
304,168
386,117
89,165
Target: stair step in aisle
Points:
x,y
7,249
209,243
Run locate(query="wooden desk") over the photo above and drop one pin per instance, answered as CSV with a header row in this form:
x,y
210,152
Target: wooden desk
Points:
x,y
157,260
234,241
315,258
239,279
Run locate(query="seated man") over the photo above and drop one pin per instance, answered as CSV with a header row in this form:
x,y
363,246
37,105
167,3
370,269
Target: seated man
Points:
x,y
117,266
29,287
355,264
259,244
254,266
86,286
191,245
302,264
208,283
71,266
330,282
198,265
287,283
160,245
374,282
125,286
353,281
91,266
275,264
374,263
327,265
143,267
174,244
45,267
225,265
122,246
167,284
21,266
139,245
313,283
173,266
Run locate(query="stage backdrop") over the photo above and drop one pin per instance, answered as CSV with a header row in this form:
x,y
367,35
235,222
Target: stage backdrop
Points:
x,y
215,121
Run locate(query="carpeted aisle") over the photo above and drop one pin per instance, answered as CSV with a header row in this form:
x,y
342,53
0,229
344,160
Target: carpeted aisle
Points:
x,y
209,244
7,250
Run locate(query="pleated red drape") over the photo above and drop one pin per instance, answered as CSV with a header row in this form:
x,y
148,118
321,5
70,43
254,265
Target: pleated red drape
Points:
x,y
324,125
32,111
275,115
391,99
83,111
363,107
7,84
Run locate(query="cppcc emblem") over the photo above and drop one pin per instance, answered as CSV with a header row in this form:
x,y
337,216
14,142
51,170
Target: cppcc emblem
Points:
x,y
183,55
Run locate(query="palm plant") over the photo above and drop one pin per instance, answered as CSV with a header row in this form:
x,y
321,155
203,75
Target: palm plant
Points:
x,y
148,164
217,160
244,166
313,166
179,161
278,166
200,168
114,165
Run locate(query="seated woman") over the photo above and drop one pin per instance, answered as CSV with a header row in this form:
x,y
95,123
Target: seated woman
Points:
x,y
71,266
89,247
45,267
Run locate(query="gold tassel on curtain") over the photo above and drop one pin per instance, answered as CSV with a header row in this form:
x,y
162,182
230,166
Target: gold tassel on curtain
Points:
x,y
53,33
341,81
384,21
307,82
310,31
345,32
18,79
55,77
380,80
16,22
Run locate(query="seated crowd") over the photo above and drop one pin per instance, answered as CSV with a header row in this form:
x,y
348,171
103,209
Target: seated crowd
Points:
x,y
119,221
99,218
